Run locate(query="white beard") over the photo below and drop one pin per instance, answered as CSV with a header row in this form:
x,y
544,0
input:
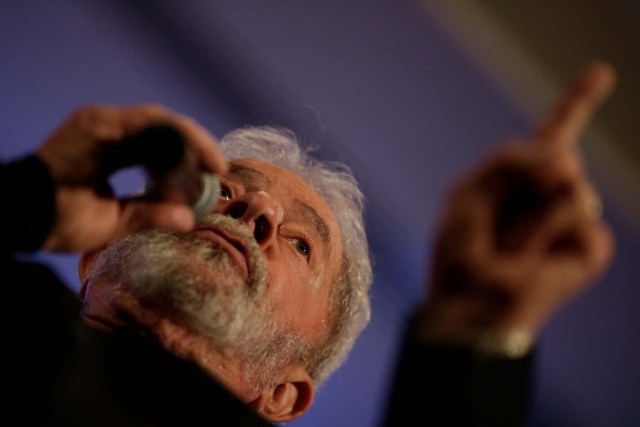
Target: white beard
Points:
x,y
194,282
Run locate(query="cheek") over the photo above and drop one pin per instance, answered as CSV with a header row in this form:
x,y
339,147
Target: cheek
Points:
x,y
295,300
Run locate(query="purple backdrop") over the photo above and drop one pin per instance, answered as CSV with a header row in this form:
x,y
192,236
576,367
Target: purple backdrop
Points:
x,y
371,83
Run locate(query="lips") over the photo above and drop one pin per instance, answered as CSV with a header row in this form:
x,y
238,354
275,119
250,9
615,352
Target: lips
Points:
x,y
234,246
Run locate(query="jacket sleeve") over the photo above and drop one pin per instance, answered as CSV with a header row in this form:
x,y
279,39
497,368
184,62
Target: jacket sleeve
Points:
x,y
448,386
28,210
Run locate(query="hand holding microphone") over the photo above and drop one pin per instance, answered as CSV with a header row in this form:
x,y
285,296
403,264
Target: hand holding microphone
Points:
x,y
180,156
173,170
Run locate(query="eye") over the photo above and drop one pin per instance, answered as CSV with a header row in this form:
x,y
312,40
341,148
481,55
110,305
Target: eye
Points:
x,y
302,247
225,192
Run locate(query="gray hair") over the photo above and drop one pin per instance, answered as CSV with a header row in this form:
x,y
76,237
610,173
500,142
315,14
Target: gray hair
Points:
x,y
349,307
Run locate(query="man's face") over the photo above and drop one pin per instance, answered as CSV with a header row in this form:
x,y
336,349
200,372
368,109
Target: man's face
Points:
x,y
262,263
296,232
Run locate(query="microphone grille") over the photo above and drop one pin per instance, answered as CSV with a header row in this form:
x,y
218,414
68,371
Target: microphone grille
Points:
x,y
209,197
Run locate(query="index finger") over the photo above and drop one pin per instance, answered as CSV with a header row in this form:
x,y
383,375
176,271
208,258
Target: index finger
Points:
x,y
138,117
206,144
571,114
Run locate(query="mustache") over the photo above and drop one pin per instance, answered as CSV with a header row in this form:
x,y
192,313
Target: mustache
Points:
x,y
228,224
239,230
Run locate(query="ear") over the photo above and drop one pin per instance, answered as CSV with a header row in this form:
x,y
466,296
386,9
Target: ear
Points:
x,y
85,267
287,400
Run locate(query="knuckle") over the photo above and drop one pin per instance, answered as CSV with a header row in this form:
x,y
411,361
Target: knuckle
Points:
x,y
87,113
151,110
140,114
90,120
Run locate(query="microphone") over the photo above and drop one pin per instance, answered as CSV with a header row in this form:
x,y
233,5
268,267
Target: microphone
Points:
x,y
172,167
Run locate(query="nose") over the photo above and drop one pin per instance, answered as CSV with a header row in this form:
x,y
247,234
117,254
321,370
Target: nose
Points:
x,y
259,211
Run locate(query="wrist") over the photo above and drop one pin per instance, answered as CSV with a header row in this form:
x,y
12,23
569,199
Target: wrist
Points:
x,y
486,337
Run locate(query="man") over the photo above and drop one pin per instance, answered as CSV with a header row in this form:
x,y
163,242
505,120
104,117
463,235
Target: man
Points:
x,y
262,295
268,294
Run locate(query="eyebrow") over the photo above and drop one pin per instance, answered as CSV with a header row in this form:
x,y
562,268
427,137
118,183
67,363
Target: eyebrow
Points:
x,y
249,174
312,216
